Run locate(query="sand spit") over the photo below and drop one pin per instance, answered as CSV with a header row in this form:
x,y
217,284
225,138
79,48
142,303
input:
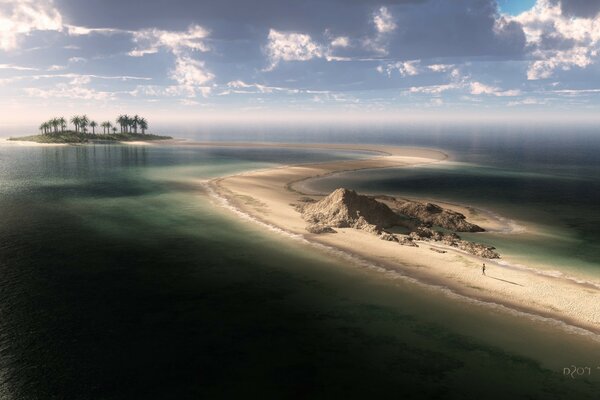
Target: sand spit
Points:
x,y
270,196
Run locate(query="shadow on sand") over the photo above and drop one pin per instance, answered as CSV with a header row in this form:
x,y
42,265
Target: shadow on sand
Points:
x,y
504,280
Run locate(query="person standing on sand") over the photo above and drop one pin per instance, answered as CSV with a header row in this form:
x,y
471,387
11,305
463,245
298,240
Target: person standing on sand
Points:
x,y
483,269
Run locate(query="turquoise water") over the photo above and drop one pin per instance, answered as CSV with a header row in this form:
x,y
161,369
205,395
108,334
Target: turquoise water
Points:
x,y
120,278
547,182
560,213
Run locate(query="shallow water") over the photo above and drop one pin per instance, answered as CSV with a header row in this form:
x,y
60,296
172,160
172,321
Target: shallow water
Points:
x,y
120,278
547,182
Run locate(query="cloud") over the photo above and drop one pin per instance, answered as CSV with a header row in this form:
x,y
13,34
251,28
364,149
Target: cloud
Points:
x,y
73,77
76,88
440,67
241,87
191,75
528,101
559,59
17,67
575,92
433,89
149,41
557,41
21,17
290,46
340,41
478,88
190,72
463,83
384,27
69,91
74,30
188,92
404,68
383,20
72,60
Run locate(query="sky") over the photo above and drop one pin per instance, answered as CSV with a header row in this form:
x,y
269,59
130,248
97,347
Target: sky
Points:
x,y
186,60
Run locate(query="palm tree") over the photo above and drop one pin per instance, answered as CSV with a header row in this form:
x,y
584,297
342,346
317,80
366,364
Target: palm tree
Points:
x,y
55,124
127,123
76,120
104,125
43,127
122,121
135,121
143,125
85,121
132,124
114,129
63,123
93,124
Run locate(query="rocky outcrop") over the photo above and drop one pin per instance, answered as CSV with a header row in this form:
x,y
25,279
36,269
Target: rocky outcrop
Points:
x,y
432,214
345,208
451,239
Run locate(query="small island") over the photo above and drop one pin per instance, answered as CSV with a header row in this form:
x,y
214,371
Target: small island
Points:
x,y
56,130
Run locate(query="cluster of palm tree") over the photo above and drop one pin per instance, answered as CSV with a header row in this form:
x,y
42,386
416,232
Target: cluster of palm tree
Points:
x,y
126,122
82,122
53,125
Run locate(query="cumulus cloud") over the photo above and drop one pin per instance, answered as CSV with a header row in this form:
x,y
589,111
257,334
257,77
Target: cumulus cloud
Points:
x,y
190,72
21,17
558,41
385,25
290,46
383,20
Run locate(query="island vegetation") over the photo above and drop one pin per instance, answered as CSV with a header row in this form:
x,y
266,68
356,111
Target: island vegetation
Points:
x,y
126,129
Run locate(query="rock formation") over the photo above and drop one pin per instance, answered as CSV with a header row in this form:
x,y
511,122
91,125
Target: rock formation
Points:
x,y
453,240
432,214
345,208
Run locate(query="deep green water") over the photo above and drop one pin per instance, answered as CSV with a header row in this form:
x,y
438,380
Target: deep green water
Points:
x,y
121,279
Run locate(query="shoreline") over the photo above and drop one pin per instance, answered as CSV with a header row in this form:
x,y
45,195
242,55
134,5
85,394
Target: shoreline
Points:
x,y
265,196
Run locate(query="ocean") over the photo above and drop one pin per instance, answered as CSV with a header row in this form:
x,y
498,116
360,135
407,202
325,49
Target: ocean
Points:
x,y
121,277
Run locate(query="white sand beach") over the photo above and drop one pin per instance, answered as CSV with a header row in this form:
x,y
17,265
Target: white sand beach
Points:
x,y
23,143
268,195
